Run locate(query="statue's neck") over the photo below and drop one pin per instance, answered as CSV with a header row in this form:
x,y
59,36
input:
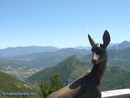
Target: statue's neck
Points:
x,y
99,69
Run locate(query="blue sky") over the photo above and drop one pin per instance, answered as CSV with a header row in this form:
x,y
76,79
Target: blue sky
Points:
x,y
62,23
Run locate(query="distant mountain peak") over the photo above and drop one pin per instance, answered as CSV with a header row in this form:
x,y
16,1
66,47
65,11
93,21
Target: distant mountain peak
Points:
x,y
74,57
70,61
119,46
125,42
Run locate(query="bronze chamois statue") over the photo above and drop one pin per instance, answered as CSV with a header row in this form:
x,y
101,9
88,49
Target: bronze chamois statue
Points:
x,y
88,86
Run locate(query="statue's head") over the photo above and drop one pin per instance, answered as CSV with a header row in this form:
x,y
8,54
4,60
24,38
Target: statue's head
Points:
x,y
98,49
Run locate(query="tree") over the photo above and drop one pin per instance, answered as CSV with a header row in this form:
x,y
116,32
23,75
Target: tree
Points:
x,y
47,88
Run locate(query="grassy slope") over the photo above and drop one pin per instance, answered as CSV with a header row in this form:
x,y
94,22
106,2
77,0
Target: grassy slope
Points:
x,y
10,84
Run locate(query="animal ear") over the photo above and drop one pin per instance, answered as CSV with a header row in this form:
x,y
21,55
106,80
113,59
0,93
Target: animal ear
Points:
x,y
106,38
91,40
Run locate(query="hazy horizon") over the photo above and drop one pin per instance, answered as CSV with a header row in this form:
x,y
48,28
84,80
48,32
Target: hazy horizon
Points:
x,y
56,46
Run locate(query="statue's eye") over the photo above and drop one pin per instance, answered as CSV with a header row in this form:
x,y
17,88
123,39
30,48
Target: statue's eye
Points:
x,y
98,52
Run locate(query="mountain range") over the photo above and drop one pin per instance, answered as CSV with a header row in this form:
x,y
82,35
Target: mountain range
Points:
x,y
119,56
16,51
46,59
119,46
43,57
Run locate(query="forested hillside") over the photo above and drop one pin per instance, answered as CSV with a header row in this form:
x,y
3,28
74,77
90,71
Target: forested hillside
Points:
x,y
69,69
72,68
